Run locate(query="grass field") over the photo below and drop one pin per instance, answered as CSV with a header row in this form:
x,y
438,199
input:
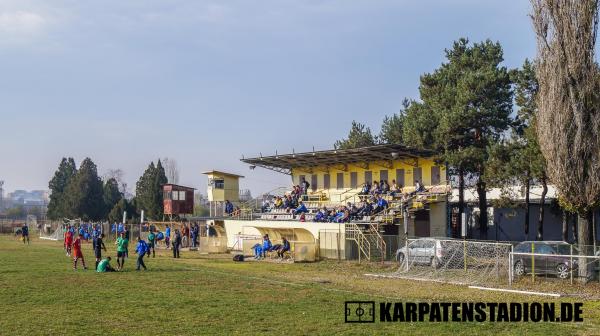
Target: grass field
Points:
x,y
40,294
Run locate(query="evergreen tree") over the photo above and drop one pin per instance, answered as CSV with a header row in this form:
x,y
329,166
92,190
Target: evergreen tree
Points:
x,y
84,194
392,127
149,193
57,207
111,195
116,213
359,136
465,109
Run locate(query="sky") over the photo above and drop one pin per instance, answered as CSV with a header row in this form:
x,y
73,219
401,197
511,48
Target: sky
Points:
x,y
126,82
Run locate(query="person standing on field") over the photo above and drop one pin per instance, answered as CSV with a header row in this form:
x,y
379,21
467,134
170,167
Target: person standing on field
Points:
x,y
122,244
68,242
151,243
168,236
25,233
176,243
140,249
98,247
77,254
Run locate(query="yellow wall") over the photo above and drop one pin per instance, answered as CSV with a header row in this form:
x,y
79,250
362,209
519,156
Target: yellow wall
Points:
x,y
375,167
231,190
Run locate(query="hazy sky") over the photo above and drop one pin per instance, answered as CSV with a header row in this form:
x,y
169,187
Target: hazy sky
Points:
x,y
204,82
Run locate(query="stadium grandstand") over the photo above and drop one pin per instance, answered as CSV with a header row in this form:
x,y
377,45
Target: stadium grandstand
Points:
x,y
341,203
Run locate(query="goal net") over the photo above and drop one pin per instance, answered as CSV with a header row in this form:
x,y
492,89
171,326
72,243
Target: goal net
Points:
x,y
454,261
51,232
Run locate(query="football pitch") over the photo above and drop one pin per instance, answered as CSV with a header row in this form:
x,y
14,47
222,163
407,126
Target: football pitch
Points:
x,y
41,294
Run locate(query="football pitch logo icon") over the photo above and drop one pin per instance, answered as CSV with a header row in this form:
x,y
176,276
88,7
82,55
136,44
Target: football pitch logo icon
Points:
x,y
360,311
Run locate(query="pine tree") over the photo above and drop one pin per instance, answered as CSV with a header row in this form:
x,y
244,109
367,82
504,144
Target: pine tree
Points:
x,y
57,207
392,126
149,193
465,108
84,194
111,195
359,136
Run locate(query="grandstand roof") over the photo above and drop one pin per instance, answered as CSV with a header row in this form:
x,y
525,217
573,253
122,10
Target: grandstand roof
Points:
x,y
284,163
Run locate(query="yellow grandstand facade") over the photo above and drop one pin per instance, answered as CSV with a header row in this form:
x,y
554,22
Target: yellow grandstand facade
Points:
x,y
339,180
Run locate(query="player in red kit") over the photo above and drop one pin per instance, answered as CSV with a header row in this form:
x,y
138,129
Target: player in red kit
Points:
x,y
68,241
77,254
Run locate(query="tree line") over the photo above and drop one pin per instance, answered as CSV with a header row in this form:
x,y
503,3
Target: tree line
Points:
x,y
478,116
495,126
79,192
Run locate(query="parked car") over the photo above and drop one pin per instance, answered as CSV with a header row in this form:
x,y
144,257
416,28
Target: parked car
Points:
x,y
550,257
431,251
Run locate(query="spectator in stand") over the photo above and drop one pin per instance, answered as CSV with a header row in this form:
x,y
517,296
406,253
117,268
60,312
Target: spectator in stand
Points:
x,y
419,187
300,209
366,209
366,189
228,207
266,205
385,187
302,217
376,190
331,216
353,211
320,215
342,215
305,185
382,204
278,203
395,188
237,212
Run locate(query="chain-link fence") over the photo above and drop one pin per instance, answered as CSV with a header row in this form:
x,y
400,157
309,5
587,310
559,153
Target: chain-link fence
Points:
x,y
454,261
554,261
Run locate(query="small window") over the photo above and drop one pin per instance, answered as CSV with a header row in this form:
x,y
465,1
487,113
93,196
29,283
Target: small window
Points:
x,y
326,181
368,177
182,195
217,183
353,180
383,175
175,196
400,177
340,180
418,175
435,175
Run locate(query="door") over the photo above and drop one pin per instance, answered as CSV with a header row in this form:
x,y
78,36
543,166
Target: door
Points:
x,y
326,181
313,182
383,175
368,177
417,175
400,177
340,180
435,175
353,180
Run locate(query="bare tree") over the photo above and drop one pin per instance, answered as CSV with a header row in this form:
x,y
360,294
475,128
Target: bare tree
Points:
x,y
171,170
118,175
568,114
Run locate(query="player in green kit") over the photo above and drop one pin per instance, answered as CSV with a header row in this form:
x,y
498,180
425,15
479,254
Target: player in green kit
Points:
x,y
122,244
151,243
104,266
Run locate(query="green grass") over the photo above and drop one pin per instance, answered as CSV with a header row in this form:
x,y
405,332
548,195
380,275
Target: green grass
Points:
x,y
40,294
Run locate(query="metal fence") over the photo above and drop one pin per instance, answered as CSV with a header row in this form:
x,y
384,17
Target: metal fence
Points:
x,y
554,261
